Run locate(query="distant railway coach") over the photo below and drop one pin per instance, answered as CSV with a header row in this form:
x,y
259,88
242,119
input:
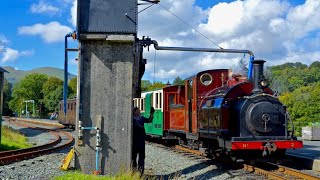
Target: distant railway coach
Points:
x,y
70,118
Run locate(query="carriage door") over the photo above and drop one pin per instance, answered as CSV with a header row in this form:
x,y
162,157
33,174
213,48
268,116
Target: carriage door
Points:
x,y
190,99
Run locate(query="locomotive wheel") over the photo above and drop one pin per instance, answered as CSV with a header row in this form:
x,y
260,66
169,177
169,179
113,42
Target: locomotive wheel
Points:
x,y
182,142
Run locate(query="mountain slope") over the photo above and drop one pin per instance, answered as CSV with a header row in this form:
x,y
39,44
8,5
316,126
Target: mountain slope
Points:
x,y
14,76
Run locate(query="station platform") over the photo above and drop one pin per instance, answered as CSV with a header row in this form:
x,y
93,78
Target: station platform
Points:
x,y
42,122
309,155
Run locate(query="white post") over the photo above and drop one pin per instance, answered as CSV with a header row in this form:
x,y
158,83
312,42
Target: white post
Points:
x,y
26,109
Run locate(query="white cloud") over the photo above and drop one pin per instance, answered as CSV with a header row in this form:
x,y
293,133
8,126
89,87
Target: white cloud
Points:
x,y
44,8
50,33
274,30
73,10
12,54
3,43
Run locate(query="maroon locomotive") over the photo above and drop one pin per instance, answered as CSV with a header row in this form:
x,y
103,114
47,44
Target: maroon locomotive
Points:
x,y
218,114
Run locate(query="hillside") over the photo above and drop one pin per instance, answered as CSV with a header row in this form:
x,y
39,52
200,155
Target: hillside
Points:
x,y
14,76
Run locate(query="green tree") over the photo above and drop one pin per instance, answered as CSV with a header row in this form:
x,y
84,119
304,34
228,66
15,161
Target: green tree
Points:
x,y
178,81
51,100
29,88
73,87
315,64
51,84
303,104
145,85
52,90
7,91
156,85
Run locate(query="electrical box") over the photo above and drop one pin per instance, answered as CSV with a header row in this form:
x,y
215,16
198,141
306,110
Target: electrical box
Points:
x,y
107,16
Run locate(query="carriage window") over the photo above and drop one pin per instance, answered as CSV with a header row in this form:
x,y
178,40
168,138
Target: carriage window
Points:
x,y
171,99
160,102
190,90
142,104
134,102
157,100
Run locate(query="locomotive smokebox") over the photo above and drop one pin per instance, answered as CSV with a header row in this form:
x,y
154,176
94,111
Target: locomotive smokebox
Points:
x,y
258,76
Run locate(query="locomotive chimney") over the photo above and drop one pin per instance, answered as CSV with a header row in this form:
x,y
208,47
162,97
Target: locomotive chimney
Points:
x,y
258,76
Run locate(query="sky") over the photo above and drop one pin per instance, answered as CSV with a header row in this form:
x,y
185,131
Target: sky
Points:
x,y
277,31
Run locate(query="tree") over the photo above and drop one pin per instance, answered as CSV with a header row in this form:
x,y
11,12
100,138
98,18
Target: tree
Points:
x,y
303,104
156,85
29,88
178,81
51,100
52,91
315,64
145,85
73,87
51,84
7,91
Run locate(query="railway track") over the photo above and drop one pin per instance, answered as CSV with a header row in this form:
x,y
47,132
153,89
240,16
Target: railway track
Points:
x,y
7,157
279,172
268,170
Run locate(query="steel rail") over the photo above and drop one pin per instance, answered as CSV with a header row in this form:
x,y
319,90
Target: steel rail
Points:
x,y
277,173
19,151
39,123
30,152
296,173
189,150
35,148
286,173
268,174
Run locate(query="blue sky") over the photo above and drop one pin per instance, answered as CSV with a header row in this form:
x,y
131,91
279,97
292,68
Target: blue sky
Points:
x,y
278,31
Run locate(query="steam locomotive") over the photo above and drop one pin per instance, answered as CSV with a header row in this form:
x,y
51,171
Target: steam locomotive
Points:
x,y
221,114
217,113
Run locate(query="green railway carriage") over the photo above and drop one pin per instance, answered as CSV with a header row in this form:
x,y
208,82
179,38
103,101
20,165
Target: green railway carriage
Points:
x,y
148,100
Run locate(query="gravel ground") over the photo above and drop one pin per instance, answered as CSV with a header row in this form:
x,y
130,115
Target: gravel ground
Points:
x,y
167,164
32,134
44,167
161,163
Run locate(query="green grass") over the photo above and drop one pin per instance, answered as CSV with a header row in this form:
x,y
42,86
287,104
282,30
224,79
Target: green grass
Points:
x,y
12,139
80,176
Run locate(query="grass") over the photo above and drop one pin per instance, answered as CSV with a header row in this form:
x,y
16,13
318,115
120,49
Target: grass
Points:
x,y
11,139
80,176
